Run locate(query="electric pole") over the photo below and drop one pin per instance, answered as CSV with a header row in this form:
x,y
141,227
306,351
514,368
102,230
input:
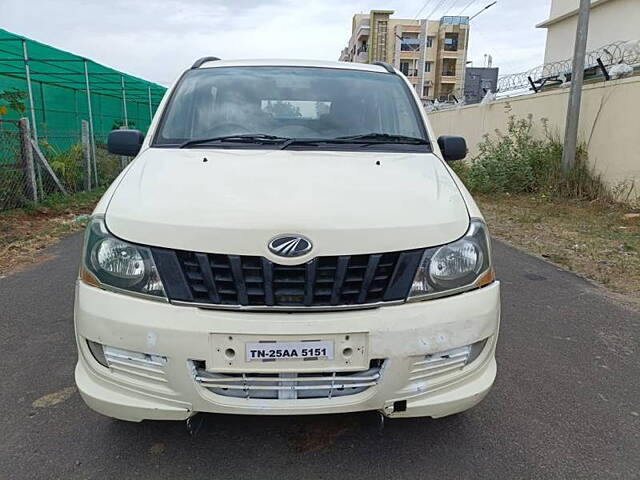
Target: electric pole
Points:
x,y
575,95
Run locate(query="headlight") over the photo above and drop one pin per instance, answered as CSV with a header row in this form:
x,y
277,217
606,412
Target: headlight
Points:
x,y
115,264
455,267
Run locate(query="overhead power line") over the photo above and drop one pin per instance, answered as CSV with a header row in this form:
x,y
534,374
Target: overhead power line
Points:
x,y
423,7
446,12
436,9
468,5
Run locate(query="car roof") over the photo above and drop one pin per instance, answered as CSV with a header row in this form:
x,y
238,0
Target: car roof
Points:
x,y
293,63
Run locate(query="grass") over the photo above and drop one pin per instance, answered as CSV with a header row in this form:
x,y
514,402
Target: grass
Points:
x,y
25,232
598,240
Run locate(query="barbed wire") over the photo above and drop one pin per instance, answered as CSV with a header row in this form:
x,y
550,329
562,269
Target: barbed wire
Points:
x,y
610,54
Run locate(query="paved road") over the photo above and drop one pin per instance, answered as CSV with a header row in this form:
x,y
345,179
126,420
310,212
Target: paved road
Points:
x,y
565,404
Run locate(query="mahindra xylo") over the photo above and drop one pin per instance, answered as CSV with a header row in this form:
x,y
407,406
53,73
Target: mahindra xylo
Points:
x,y
288,240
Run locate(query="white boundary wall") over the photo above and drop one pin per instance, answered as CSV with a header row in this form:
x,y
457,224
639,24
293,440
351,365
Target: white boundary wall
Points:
x,y
609,125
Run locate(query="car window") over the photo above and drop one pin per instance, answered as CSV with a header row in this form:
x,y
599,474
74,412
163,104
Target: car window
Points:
x,y
292,102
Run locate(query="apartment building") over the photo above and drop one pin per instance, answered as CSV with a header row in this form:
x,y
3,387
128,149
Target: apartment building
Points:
x,y
431,53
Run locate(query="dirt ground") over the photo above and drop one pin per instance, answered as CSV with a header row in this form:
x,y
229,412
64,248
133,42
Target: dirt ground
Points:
x,y
598,241
25,233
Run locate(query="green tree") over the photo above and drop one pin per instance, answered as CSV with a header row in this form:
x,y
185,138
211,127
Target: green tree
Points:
x,y
12,99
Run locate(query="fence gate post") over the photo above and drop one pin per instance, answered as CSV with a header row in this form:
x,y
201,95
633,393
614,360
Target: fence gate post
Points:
x,y
86,155
27,160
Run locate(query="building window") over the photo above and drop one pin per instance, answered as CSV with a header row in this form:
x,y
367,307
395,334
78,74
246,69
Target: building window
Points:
x,y
430,41
451,42
408,67
449,67
410,44
425,91
427,66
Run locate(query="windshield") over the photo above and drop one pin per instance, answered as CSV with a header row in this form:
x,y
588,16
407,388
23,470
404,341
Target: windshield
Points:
x,y
301,103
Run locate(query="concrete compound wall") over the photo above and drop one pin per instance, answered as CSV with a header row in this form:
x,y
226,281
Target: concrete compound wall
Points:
x,y
609,125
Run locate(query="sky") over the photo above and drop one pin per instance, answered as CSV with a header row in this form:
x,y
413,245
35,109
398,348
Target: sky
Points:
x,y
158,39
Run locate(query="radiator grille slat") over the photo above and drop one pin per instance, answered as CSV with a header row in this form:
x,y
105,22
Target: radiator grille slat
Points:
x,y
340,271
253,281
207,274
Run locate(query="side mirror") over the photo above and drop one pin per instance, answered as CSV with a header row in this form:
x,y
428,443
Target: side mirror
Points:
x,y
452,148
125,142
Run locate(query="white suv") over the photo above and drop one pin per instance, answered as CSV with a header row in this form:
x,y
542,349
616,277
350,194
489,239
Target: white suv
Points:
x,y
288,240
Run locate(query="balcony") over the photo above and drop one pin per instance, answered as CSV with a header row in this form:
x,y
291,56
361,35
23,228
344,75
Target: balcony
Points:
x,y
449,67
410,45
362,30
451,42
409,72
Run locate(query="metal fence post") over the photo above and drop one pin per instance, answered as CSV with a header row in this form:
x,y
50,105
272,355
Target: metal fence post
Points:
x,y
32,107
150,106
27,71
86,154
91,131
124,102
27,160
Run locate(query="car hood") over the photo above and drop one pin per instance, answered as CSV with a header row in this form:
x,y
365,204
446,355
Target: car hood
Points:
x,y
236,201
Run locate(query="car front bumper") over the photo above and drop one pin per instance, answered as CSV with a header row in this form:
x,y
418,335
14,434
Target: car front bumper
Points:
x,y
407,340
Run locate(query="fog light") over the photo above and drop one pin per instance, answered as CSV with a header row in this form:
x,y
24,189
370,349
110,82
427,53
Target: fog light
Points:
x,y
98,352
476,349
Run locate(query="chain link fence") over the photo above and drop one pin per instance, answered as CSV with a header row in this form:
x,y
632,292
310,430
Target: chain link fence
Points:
x,y
33,172
12,183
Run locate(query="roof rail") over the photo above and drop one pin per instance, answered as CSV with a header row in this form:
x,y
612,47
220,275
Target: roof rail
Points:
x,y
198,63
386,66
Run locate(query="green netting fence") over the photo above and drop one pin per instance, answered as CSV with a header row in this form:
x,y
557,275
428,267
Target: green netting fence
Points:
x,y
56,90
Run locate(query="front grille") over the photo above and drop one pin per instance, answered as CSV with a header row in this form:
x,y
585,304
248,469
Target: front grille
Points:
x,y
288,386
253,281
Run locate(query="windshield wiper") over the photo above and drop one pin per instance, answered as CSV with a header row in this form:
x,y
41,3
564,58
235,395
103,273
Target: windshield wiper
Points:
x,y
262,138
364,139
243,138
375,137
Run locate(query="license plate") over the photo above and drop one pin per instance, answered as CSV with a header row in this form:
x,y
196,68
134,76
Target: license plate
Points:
x,y
289,350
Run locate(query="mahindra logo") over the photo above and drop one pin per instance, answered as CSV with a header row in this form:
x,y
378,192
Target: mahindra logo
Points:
x,y
290,245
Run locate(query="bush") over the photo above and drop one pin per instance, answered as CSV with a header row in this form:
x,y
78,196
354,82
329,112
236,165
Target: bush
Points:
x,y
517,162
109,165
68,167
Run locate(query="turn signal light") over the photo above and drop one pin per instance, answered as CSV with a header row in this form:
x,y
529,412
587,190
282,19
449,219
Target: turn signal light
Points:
x,y
486,279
